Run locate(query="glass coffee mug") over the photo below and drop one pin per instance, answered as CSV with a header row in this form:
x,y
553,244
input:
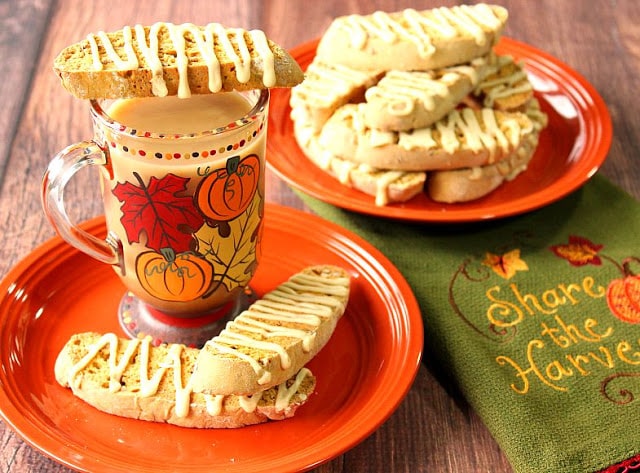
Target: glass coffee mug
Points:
x,y
183,208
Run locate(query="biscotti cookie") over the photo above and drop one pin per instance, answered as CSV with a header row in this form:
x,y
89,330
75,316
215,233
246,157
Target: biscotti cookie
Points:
x,y
463,138
404,100
277,335
463,185
325,88
506,86
132,378
413,40
167,59
386,186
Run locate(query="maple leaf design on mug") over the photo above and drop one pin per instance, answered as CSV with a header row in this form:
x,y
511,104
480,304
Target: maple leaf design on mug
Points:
x,y
160,211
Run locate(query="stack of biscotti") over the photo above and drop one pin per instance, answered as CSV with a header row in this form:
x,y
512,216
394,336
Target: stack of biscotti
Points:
x,y
400,103
253,372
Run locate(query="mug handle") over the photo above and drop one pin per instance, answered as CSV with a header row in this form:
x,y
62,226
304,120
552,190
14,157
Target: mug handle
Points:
x,y
60,170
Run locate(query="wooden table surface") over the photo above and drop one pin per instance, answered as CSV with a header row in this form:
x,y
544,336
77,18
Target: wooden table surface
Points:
x,y
432,431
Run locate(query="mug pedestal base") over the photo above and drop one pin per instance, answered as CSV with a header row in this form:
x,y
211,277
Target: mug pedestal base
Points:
x,y
139,320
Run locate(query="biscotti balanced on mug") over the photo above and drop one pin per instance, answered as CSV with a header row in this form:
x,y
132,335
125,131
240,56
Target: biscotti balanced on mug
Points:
x,y
470,115
168,59
132,378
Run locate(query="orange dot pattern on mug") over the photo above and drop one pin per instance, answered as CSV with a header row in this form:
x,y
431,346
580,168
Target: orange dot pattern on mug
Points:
x,y
195,154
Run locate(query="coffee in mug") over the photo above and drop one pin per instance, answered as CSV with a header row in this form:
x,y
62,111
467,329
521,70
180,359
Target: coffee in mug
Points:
x,y
182,183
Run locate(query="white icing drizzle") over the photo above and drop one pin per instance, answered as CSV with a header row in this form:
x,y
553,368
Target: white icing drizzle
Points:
x,y
250,403
509,79
400,91
382,186
295,310
115,369
150,54
130,61
95,54
235,338
214,404
182,62
261,45
285,394
183,391
348,171
326,84
232,42
379,138
344,169
416,139
173,361
206,45
410,25
415,22
476,173
325,159
460,129
465,21
240,61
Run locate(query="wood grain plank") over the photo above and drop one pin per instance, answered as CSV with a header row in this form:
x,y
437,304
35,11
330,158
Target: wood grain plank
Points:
x,y
22,24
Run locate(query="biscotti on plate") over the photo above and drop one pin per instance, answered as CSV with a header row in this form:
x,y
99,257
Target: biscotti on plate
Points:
x,y
277,335
253,372
132,378
327,87
386,186
463,138
168,59
469,183
506,86
440,109
405,100
413,40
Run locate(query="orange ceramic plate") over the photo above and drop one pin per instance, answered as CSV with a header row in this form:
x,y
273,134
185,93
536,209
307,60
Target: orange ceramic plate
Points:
x,y
362,374
571,149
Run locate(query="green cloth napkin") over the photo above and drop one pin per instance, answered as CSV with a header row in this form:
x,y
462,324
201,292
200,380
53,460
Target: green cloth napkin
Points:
x,y
535,318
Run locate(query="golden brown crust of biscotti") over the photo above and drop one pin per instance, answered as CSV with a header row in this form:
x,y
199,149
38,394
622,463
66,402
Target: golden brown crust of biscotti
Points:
x,y
325,88
83,365
405,100
463,138
413,40
463,185
386,186
87,79
506,86
277,335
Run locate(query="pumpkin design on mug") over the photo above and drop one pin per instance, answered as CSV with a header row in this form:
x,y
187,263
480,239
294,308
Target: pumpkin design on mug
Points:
x,y
187,258
171,277
227,192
